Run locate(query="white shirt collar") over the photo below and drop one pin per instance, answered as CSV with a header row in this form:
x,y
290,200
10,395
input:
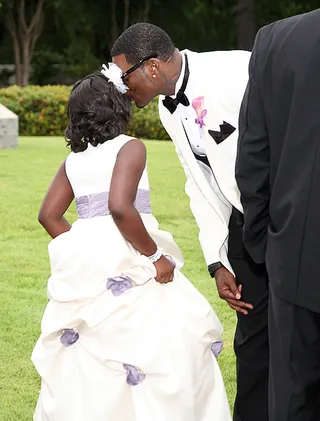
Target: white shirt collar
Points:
x,y
180,79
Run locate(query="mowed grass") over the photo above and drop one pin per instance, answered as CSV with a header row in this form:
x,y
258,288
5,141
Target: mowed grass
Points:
x,y
25,174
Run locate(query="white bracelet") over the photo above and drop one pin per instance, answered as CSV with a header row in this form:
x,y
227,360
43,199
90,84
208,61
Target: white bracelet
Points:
x,y
156,256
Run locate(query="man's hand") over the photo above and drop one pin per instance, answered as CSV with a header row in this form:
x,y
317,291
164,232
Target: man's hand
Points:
x,y
229,291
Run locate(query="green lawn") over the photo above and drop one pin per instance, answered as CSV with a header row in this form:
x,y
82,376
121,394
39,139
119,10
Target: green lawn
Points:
x,y
25,174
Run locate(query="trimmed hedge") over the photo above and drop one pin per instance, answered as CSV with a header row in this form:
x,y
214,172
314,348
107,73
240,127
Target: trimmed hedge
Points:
x,y
42,111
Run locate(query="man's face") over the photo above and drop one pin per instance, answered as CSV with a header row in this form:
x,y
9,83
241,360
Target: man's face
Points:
x,y
141,82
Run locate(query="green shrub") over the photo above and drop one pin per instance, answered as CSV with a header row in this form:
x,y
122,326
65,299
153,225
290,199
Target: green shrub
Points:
x,y
146,123
42,111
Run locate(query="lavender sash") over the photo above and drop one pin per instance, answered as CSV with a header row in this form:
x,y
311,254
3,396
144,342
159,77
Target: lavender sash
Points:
x,y
97,204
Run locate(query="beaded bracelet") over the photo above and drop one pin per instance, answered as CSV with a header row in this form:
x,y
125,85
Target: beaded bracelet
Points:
x,y
156,256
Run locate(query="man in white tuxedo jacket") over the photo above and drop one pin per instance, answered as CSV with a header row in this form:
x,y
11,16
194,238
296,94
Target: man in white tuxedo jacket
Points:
x,y
200,98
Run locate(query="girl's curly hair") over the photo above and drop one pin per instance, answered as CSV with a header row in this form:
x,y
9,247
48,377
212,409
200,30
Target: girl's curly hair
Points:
x,y
97,112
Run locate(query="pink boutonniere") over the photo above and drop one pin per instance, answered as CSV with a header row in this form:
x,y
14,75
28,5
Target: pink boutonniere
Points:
x,y
198,105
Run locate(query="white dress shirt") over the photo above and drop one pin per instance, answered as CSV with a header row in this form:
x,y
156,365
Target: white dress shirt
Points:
x,y
188,117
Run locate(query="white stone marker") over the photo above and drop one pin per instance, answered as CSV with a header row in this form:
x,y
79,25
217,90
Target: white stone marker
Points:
x,y
9,128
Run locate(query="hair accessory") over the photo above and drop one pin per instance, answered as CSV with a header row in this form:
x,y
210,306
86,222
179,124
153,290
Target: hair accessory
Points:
x,y
114,73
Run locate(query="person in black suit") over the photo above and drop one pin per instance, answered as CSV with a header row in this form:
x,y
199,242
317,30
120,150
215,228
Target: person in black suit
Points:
x,y
278,174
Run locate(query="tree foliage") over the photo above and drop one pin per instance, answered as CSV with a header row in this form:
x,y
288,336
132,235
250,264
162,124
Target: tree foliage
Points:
x,y
78,34
25,24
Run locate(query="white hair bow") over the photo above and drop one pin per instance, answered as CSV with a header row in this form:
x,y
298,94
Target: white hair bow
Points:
x,y
114,73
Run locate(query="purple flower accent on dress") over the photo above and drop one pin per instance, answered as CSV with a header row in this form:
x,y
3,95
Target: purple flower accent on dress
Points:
x,y
134,375
198,105
119,284
216,348
69,337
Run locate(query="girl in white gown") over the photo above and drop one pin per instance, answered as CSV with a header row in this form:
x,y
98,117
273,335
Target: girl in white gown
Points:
x,y
125,336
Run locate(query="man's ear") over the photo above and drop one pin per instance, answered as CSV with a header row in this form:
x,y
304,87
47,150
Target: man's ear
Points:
x,y
154,65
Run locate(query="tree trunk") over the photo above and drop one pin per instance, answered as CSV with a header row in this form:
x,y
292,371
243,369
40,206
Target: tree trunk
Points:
x,y
114,23
26,61
16,47
24,37
146,11
126,14
11,25
36,33
245,24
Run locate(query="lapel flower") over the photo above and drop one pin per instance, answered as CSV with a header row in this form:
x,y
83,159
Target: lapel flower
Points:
x,y
201,112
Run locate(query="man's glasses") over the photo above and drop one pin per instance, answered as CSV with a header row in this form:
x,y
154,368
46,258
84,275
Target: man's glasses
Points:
x,y
137,65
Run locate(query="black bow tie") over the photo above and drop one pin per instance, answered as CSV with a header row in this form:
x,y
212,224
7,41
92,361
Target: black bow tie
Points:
x,y
181,98
172,103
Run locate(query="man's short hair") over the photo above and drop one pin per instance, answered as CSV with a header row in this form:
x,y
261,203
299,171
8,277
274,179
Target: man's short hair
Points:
x,y
142,40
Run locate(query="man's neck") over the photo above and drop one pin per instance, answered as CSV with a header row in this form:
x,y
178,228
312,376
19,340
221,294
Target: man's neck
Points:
x,y
172,73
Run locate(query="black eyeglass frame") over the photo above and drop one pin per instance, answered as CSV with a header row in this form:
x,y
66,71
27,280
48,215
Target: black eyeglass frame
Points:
x,y
137,65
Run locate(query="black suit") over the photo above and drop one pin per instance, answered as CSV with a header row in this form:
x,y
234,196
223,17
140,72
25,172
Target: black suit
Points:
x,y
278,173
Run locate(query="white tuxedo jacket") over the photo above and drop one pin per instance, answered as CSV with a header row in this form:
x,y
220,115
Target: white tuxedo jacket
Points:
x,y
221,78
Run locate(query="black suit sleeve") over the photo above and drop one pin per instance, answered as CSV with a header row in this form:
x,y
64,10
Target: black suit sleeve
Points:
x,y
252,165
